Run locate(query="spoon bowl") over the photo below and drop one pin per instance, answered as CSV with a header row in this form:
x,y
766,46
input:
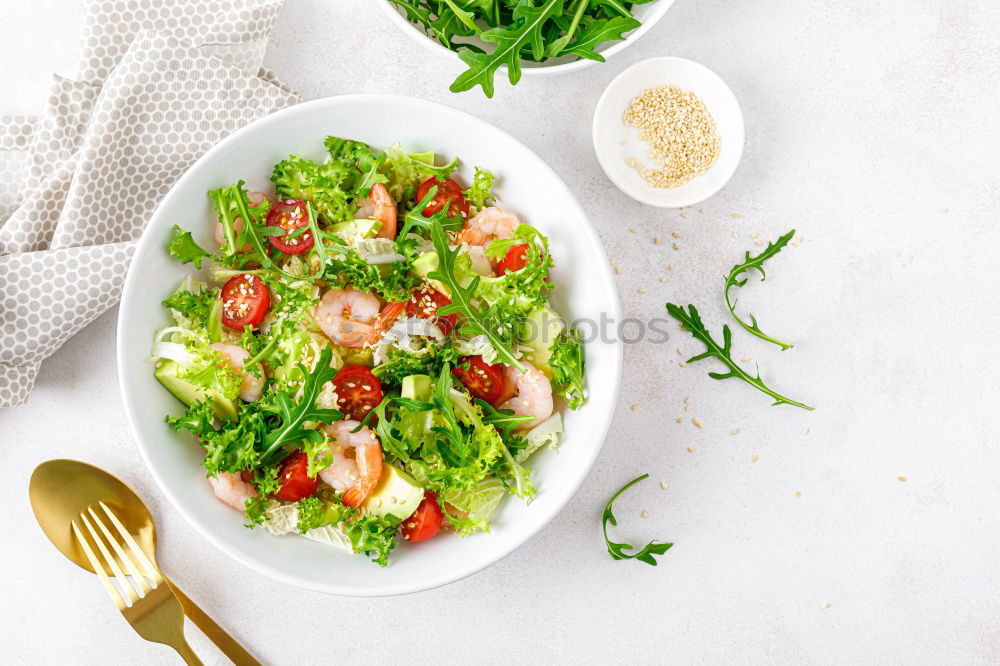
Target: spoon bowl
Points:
x,y
60,490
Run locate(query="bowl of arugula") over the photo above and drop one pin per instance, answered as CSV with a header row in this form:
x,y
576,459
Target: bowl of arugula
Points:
x,y
543,38
583,291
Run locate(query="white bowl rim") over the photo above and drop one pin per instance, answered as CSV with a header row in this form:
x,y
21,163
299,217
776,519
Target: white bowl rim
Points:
x,y
657,12
641,195
129,293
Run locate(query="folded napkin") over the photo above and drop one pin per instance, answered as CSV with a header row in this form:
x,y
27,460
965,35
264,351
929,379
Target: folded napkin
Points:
x,y
161,82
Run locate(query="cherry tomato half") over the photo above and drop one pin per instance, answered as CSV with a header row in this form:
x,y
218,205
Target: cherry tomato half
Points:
x,y
425,304
358,391
515,259
448,192
483,380
290,215
245,301
295,481
425,521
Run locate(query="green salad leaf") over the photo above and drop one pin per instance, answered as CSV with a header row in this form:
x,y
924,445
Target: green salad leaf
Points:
x,y
184,249
737,278
691,321
619,551
567,367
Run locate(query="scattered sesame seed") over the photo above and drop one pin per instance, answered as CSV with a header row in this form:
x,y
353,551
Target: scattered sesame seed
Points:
x,y
635,406
682,364
675,234
798,494
805,431
687,399
641,290
754,235
684,214
795,243
735,235
824,606
696,422
645,514
612,261
618,270
670,267
701,210
680,352
680,419
737,215
902,478
657,240
676,246
663,279
745,359
944,210
690,449
631,230
734,431
664,485
753,458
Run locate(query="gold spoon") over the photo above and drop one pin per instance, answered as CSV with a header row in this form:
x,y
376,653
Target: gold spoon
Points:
x,y
61,489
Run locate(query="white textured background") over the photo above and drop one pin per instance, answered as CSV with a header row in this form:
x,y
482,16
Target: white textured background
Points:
x,y
873,130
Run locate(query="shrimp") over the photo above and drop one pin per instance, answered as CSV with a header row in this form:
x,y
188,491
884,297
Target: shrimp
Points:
x,y
379,206
533,397
348,317
256,198
232,489
488,224
251,387
357,462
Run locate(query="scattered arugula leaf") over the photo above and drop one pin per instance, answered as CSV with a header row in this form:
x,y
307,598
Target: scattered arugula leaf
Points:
x,y
691,321
734,279
618,550
184,249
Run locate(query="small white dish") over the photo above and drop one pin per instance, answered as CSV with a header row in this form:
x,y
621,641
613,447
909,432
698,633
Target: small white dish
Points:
x,y
615,142
648,14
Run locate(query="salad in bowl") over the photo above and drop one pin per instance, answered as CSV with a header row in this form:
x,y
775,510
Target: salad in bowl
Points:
x,y
373,358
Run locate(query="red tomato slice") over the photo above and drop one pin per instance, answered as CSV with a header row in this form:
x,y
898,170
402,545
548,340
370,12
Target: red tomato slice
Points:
x,y
515,259
245,301
483,380
290,215
425,304
425,521
295,481
448,192
358,391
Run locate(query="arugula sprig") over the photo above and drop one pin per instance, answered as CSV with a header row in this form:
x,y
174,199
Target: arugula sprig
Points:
x,y
738,277
462,297
691,320
618,551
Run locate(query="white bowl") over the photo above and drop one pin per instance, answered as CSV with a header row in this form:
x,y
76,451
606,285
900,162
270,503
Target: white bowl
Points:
x,y
584,289
614,142
648,14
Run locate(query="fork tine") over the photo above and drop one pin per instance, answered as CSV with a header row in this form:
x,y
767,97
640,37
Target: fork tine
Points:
x,y
98,567
123,557
110,560
140,554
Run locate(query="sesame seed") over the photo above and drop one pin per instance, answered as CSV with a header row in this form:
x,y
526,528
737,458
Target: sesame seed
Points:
x,y
676,246
737,215
631,230
682,364
690,449
663,279
612,261
664,485
645,514
824,606
635,406
696,422
798,494
670,267
753,458
684,214
805,431
902,478
701,210
675,234
657,240
618,270
754,235
734,431
680,419
735,235
640,290
944,210
745,359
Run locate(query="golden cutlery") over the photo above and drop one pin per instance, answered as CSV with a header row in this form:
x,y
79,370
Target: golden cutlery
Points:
x,y
62,489
148,604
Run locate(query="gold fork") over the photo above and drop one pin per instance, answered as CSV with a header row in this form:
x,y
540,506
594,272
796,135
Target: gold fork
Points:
x,y
152,610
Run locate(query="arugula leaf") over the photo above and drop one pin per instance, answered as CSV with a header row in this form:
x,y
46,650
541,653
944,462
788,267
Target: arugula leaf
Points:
x,y
526,31
462,297
601,30
691,321
184,249
502,419
734,279
618,550
295,415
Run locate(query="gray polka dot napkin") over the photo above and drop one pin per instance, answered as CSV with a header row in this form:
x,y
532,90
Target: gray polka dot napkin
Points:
x,y
161,82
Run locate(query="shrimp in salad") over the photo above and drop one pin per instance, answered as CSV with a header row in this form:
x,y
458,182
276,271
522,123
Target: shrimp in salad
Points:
x,y
348,317
251,387
378,205
488,224
532,394
357,462
232,489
